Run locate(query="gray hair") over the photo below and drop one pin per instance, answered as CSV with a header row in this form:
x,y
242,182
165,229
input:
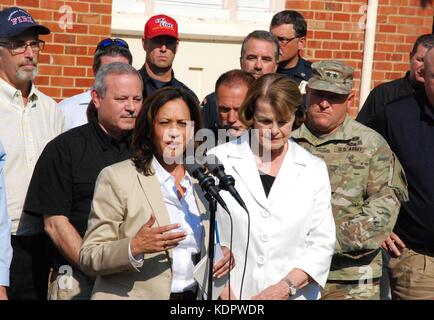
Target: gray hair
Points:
x,y
112,68
261,35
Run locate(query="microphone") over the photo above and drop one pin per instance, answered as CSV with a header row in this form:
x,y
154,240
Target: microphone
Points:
x,y
206,182
226,182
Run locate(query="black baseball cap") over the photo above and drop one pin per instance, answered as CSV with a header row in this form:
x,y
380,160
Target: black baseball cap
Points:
x,y
14,21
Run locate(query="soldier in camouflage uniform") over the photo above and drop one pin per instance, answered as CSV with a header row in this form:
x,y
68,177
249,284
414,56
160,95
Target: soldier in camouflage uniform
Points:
x,y
367,181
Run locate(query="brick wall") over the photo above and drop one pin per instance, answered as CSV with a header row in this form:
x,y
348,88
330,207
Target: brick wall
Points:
x,y
65,67
334,33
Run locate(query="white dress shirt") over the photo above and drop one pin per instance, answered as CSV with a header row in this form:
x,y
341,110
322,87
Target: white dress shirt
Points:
x,y
74,109
5,228
183,211
24,132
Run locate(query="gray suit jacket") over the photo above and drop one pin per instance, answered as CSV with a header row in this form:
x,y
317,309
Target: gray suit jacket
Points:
x,y
123,202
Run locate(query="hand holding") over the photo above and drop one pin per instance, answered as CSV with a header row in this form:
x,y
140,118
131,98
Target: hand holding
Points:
x,y
222,266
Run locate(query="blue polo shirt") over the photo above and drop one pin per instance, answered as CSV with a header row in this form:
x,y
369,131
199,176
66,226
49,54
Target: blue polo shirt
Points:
x,y
408,127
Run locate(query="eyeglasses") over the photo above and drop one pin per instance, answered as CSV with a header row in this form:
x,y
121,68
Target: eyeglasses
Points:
x,y
285,41
109,42
19,47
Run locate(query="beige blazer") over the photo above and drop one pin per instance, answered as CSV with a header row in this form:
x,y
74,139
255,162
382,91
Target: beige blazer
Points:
x,y
123,201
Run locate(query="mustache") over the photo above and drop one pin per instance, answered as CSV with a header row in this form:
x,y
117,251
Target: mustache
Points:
x,y
227,127
256,73
30,62
132,115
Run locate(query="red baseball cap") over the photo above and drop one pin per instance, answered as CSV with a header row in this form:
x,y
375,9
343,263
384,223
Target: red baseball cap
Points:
x,y
161,25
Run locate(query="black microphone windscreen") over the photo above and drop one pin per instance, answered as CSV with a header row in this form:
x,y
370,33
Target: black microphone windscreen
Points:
x,y
212,162
192,168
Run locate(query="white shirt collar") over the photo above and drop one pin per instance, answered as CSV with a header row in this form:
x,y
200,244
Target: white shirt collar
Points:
x,y
86,97
9,92
163,175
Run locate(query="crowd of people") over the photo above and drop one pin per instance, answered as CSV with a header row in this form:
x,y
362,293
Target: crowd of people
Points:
x,y
97,200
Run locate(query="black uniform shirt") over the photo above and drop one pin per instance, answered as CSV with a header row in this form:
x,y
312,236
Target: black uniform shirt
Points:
x,y
151,85
64,178
408,126
382,95
210,113
301,72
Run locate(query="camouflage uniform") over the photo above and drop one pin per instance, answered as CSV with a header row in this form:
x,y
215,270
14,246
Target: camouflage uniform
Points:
x,y
367,184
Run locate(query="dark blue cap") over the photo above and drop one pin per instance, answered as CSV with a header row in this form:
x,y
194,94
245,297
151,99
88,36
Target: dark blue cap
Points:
x,y
14,21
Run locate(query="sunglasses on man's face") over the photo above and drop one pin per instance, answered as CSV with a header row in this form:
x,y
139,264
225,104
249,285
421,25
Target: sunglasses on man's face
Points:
x,y
112,42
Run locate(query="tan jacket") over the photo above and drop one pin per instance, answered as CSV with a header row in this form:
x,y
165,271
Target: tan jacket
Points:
x,y
123,202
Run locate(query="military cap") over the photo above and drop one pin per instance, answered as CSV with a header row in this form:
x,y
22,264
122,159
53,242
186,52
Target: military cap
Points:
x,y
331,75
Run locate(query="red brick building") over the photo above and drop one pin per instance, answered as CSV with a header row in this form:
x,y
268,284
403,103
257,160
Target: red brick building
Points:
x,y
335,32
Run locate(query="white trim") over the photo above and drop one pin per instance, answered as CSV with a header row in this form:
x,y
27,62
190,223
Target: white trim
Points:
x,y
223,23
368,51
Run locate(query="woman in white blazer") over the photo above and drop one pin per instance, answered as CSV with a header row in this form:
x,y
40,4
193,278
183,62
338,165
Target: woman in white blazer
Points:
x,y
287,192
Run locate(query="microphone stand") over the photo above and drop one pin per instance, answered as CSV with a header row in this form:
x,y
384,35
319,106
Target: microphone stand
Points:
x,y
212,208
211,192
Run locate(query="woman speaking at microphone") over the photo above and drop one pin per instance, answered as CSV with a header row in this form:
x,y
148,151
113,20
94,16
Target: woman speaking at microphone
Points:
x,y
148,224
287,193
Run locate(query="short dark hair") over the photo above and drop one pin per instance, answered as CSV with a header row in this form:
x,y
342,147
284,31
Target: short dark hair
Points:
x,y
290,17
261,35
143,145
234,77
425,40
112,51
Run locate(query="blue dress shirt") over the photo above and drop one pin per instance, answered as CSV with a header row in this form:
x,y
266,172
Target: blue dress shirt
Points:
x,y
5,227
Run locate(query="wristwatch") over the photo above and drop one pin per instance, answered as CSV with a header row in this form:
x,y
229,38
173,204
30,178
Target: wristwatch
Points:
x,y
292,288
